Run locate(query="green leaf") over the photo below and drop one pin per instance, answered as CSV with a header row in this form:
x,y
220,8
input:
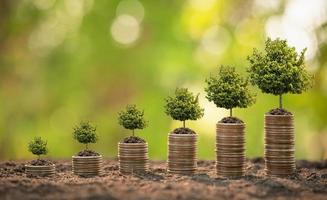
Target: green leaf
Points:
x,y
85,133
38,146
183,105
279,69
132,118
228,89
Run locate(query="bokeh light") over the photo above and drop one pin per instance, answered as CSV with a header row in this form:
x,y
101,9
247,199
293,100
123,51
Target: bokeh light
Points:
x,y
125,29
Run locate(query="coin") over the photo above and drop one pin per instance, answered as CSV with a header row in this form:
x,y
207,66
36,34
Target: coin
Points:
x,y
182,156
48,170
230,149
133,157
279,145
87,165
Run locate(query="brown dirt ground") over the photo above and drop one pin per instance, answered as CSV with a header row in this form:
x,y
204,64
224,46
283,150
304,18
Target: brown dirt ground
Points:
x,y
309,182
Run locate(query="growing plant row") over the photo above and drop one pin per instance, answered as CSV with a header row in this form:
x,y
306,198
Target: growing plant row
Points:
x,y
277,70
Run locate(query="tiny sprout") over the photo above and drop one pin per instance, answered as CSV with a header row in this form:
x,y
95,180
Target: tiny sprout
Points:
x,y
85,133
38,147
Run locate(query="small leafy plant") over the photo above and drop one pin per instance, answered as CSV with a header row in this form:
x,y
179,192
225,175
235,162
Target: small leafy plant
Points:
x,y
279,69
183,106
85,133
131,118
229,90
38,147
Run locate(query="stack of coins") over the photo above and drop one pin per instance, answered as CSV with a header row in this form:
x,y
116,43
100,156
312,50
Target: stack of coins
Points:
x,y
279,145
230,150
47,170
87,165
133,157
182,153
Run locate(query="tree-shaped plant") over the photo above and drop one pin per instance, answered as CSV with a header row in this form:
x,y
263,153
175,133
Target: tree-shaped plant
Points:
x,y
85,133
38,147
229,90
279,69
183,106
131,118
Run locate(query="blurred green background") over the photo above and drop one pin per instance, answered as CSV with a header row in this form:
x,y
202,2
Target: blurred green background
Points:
x,y
62,61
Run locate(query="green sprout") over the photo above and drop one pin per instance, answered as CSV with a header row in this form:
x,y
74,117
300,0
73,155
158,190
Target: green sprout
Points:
x,y
229,90
183,106
38,147
279,69
85,133
131,118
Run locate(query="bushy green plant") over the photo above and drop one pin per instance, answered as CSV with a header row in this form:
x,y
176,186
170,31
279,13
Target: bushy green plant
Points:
x,y
229,90
132,118
38,146
183,106
85,133
279,69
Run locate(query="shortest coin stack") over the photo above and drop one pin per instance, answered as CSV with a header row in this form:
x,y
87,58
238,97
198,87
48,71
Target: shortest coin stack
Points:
x,y
230,150
87,165
279,145
133,157
182,158
34,170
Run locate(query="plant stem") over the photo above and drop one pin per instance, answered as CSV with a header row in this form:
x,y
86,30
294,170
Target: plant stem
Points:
x,y
184,123
39,157
133,132
231,112
280,102
87,146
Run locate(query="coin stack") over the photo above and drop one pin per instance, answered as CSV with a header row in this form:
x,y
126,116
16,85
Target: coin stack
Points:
x,y
230,150
279,145
133,157
182,153
87,165
35,170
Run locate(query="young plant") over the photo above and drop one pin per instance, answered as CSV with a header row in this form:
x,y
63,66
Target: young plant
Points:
x,y
183,106
85,133
38,147
229,90
131,118
279,69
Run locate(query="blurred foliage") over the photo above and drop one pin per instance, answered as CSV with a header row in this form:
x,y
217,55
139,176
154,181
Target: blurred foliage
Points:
x,y
38,146
63,61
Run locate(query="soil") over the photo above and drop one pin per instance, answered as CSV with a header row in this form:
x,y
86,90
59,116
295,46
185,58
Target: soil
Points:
x,y
87,152
40,162
231,120
183,131
309,182
133,139
278,111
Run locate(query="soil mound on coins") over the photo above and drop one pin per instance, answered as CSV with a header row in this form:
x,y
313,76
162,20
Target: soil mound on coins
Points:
x,y
87,153
183,131
40,162
231,120
278,111
133,139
